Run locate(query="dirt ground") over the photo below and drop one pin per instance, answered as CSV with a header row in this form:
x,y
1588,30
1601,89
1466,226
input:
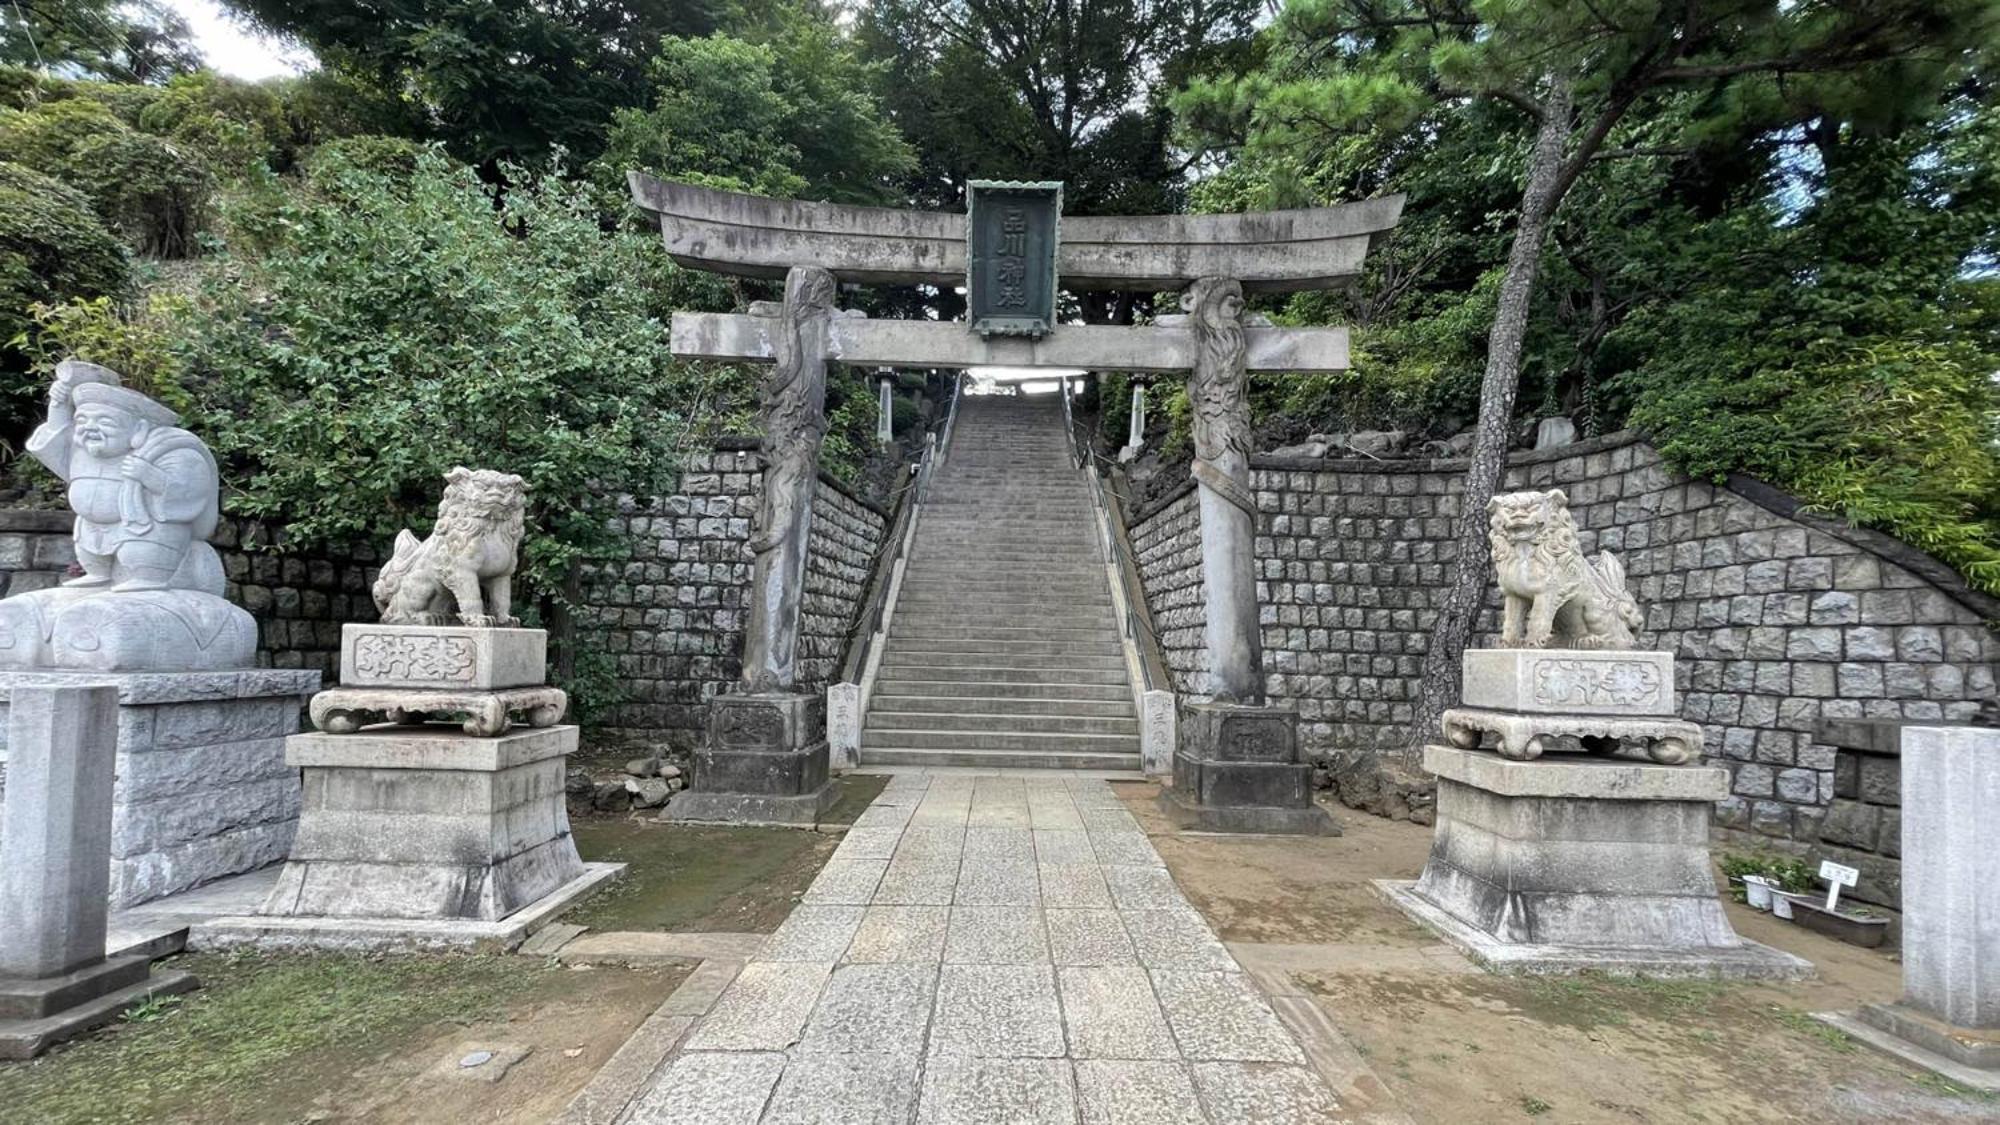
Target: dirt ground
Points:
x,y
1457,1045
342,1038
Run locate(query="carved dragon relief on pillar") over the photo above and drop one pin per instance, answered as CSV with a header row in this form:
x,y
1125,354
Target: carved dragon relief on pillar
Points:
x,y
1221,423
793,412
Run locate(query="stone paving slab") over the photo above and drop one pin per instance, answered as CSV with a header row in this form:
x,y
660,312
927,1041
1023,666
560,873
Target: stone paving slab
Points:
x,y
993,949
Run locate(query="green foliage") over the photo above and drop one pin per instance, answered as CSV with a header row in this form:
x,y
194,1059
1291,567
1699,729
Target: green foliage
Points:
x,y
1018,90
1790,874
136,41
52,249
787,118
133,339
383,328
154,192
494,79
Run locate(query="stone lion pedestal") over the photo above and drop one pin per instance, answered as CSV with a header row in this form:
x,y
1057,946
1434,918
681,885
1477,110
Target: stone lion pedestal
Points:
x,y
1237,769
765,761
443,823
1580,860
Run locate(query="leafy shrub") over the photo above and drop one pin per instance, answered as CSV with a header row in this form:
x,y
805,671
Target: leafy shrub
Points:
x,y
154,192
397,326
52,249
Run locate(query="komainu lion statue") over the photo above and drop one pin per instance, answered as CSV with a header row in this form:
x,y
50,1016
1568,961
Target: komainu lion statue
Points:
x,y
467,562
1554,596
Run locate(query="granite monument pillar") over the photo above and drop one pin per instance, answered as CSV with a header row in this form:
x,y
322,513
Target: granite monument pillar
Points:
x,y
55,873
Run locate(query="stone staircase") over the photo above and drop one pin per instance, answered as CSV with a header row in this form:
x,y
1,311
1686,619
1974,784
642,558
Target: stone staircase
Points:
x,y
1004,648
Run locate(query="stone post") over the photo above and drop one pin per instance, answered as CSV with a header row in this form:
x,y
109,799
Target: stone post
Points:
x,y
1236,765
56,839
1949,1017
1135,434
1222,472
765,757
55,872
885,415
794,418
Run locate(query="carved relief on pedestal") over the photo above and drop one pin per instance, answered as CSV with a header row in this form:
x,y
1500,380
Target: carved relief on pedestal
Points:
x,y
390,656
1633,684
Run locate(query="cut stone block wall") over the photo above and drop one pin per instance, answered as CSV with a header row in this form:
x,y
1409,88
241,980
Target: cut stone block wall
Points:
x,y
672,616
299,600
1778,619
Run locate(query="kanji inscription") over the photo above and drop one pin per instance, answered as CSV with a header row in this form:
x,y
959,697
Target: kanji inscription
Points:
x,y
1012,232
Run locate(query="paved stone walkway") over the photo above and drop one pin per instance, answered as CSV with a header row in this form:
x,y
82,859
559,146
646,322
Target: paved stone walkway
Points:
x,y
1003,950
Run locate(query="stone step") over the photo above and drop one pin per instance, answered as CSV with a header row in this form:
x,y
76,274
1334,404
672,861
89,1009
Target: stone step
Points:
x,y
917,645
1047,666
894,672
989,760
987,722
998,628
887,688
998,740
989,706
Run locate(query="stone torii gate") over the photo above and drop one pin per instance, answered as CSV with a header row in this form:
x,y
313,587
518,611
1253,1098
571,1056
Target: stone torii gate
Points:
x,y
1213,260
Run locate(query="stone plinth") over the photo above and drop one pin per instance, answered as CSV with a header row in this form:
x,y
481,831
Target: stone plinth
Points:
x,y
203,790
1949,1016
1237,769
765,762
55,848
1570,681
1586,864
428,823
446,657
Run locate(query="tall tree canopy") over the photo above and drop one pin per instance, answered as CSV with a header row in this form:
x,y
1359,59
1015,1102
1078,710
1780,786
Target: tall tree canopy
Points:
x,y
114,40
1633,78
1029,89
497,79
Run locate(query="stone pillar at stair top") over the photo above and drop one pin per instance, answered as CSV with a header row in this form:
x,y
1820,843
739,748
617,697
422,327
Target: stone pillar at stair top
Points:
x,y
1221,422
55,840
793,415
1951,875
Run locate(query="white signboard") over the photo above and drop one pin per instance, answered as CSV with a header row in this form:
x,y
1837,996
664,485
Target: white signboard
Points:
x,y
1837,875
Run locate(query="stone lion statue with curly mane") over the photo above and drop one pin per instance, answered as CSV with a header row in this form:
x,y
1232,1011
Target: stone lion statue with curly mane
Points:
x,y
468,561
1555,597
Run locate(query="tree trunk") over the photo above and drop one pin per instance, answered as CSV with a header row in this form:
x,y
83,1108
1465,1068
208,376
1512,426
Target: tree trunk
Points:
x,y
1439,688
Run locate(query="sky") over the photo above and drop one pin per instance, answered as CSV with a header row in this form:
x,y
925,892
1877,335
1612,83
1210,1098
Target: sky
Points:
x,y
233,50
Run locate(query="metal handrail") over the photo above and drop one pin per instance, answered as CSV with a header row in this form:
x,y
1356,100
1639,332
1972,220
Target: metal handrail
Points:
x,y
1138,615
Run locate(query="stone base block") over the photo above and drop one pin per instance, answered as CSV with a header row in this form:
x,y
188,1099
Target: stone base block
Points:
x,y
400,935
1567,681
1748,960
417,823
203,789
450,657
487,713
1191,816
1670,742
1968,1057
69,1006
1237,770
765,762
701,807
1595,862
1978,1048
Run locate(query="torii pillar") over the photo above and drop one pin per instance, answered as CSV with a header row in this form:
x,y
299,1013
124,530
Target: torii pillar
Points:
x,y
765,759
1237,767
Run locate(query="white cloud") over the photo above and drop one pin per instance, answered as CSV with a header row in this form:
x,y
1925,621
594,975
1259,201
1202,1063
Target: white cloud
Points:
x,y
232,48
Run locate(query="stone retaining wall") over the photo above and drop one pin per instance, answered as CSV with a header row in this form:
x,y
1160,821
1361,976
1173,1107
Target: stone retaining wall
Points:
x,y
672,617
299,600
1779,619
